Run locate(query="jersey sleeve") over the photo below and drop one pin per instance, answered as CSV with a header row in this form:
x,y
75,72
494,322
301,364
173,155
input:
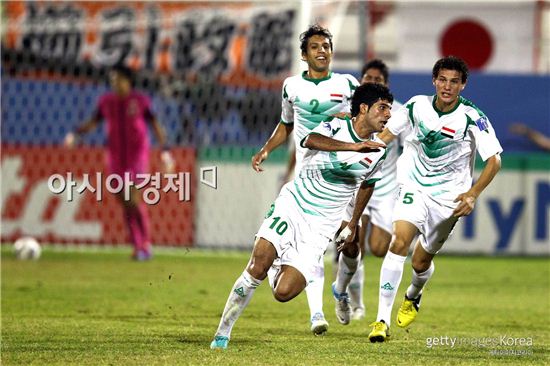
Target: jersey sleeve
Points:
x,y
486,140
400,120
287,110
147,107
352,83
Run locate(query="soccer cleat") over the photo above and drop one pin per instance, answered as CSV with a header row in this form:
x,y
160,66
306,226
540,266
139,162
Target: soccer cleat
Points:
x,y
343,310
142,256
319,325
408,311
219,342
380,332
358,313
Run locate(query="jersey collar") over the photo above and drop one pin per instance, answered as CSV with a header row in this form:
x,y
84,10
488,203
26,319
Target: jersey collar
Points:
x,y
439,113
352,132
316,81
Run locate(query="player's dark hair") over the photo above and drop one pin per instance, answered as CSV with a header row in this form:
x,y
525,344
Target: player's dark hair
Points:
x,y
451,63
379,65
314,30
369,94
125,72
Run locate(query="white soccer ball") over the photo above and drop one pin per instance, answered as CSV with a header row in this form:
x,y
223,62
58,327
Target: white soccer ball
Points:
x,y
27,248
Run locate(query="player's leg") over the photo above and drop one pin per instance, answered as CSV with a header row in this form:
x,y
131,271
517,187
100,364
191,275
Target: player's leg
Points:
x,y
379,241
439,227
347,266
409,217
314,294
423,269
135,216
262,258
289,284
357,282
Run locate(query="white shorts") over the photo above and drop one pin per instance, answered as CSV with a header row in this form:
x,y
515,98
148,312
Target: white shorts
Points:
x,y
296,239
379,211
434,221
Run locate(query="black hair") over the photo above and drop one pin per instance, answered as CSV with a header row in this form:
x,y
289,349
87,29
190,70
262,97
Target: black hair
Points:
x,y
379,65
314,30
369,94
124,71
451,63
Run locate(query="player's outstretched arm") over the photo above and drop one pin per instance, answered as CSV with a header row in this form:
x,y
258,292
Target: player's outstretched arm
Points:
x,y
538,138
72,137
279,136
468,199
362,198
315,141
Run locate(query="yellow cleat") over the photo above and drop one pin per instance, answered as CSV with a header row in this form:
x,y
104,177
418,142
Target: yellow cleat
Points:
x,y
408,311
380,332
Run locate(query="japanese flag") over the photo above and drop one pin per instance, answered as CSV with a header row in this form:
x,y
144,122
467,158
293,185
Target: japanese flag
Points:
x,y
489,36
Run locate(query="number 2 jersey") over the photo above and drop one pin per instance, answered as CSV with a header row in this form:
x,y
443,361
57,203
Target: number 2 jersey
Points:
x,y
328,180
439,154
307,102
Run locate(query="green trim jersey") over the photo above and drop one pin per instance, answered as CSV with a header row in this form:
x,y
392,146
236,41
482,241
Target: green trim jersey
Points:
x,y
439,155
308,102
328,180
387,186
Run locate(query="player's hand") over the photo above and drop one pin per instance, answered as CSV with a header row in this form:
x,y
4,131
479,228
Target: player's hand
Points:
x,y
368,146
168,162
341,115
345,237
69,140
258,159
466,206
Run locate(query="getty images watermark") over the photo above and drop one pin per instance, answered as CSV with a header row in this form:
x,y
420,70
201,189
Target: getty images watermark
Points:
x,y
114,183
503,345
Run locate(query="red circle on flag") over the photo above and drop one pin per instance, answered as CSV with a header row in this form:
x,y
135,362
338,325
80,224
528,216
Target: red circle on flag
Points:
x,y
469,40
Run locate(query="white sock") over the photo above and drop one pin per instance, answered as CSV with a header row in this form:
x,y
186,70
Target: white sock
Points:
x,y
390,278
418,281
355,287
238,299
314,292
346,269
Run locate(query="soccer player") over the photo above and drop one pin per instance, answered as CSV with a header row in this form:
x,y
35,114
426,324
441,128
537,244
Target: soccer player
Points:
x,y
308,99
309,209
378,211
435,177
127,113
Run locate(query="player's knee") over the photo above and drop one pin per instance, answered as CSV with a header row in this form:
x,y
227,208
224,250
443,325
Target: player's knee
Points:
x,y
283,293
378,250
258,267
399,246
420,264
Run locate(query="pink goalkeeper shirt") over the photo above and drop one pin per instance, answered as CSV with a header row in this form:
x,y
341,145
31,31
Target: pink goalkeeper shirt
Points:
x,y
127,131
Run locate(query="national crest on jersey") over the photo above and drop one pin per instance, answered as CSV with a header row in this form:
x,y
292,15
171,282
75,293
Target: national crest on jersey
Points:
x,y
439,153
308,102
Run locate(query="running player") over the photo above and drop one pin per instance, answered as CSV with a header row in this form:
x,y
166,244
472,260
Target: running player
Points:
x,y
435,174
308,99
309,209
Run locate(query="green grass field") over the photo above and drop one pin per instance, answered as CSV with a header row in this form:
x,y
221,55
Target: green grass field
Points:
x,y
93,308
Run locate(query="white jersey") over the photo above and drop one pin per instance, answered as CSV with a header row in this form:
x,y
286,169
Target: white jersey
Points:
x,y
439,155
388,185
328,180
308,102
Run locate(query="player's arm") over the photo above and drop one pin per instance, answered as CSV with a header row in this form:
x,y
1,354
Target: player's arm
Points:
x,y
277,138
386,136
72,137
468,199
538,138
362,198
316,141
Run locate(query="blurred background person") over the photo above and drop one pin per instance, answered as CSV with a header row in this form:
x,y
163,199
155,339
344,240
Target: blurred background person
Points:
x,y
538,138
128,113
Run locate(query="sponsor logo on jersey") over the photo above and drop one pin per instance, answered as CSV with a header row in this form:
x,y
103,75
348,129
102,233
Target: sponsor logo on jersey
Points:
x,y
338,98
482,123
448,132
